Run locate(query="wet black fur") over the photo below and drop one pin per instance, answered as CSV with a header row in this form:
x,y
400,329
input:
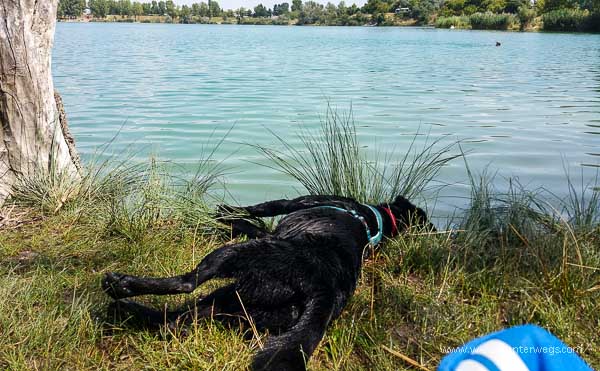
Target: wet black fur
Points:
x,y
292,282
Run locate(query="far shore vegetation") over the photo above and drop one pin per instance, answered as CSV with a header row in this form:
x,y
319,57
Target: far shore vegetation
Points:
x,y
523,15
513,255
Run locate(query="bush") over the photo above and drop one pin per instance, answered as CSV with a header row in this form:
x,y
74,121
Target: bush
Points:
x,y
456,21
491,21
593,24
281,21
526,15
568,20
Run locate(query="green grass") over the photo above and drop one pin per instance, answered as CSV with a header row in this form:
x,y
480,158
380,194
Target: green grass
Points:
x,y
479,21
418,296
456,21
570,20
513,256
492,21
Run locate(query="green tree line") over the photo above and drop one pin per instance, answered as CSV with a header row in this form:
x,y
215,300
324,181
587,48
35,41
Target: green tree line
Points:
x,y
102,8
309,12
571,15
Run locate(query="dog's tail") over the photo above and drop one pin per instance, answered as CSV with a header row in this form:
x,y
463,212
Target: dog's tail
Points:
x,y
290,351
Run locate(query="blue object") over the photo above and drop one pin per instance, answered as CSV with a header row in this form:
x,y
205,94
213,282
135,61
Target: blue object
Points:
x,y
521,348
372,240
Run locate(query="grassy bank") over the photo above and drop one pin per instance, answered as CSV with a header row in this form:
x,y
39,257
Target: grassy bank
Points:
x,y
526,19
572,20
483,21
565,20
508,258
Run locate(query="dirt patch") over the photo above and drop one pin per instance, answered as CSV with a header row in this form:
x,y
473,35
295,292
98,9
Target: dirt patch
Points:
x,y
22,261
13,217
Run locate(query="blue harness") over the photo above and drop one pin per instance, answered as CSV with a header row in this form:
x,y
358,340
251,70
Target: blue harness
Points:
x,y
372,240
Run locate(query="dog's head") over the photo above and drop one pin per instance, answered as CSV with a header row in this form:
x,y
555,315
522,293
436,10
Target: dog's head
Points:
x,y
407,215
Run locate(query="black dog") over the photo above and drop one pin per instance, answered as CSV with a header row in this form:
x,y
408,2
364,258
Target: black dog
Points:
x,y
292,282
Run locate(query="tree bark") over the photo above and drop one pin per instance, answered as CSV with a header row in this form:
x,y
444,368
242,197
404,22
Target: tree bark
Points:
x,y
32,136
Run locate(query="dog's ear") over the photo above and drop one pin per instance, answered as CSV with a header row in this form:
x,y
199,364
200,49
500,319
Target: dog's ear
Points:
x,y
402,202
409,214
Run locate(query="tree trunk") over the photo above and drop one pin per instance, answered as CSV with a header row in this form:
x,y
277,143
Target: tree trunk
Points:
x,y
32,136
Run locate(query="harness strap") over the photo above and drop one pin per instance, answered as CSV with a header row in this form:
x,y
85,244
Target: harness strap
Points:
x,y
372,240
377,238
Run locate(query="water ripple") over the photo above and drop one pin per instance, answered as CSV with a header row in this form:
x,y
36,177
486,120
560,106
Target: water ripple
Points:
x,y
169,88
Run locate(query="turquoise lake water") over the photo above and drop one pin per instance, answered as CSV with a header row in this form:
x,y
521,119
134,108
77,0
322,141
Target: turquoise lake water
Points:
x,y
528,109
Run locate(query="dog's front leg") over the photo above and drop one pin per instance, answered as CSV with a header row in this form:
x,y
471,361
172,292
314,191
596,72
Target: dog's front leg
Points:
x,y
284,206
142,316
120,286
241,222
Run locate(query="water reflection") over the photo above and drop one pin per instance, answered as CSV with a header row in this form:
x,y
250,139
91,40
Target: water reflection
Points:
x,y
521,109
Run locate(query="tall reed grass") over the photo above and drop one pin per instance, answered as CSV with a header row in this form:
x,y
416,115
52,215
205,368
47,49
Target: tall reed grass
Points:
x,y
332,161
570,20
453,21
492,21
127,196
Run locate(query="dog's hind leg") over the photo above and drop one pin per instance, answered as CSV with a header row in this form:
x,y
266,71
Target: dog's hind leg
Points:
x,y
142,316
291,350
222,305
214,265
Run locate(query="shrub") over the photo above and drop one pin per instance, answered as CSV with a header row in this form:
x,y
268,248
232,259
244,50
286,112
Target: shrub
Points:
x,y
456,21
593,23
567,20
281,21
526,15
491,21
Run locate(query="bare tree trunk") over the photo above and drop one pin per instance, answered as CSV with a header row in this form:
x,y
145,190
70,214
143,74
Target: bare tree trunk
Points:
x,y
31,137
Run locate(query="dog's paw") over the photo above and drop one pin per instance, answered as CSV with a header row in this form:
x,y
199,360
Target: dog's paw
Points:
x,y
118,310
278,359
228,213
115,285
125,310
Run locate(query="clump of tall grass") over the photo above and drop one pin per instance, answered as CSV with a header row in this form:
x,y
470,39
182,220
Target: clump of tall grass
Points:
x,y
534,232
127,197
332,162
191,198
163,196
51,189
581,207
131,212
509,217
568,20
492,21
46,188
453,21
